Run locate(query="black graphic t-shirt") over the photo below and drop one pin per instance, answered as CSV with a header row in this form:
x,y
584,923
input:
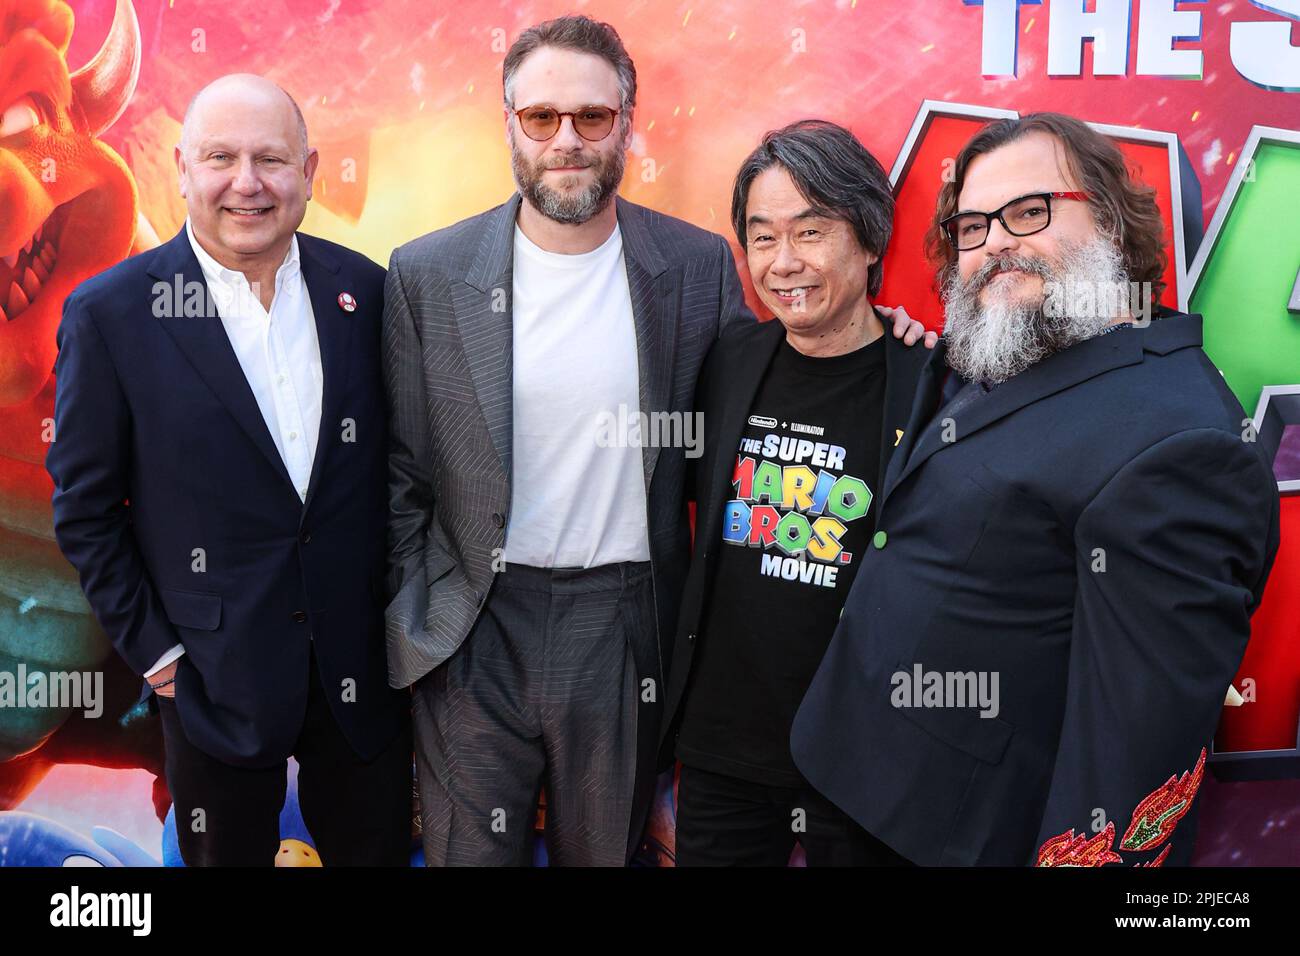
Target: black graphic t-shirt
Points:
x,y
801,511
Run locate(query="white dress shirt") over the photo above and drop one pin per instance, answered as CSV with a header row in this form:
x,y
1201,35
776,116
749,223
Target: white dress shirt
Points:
x,y
280,356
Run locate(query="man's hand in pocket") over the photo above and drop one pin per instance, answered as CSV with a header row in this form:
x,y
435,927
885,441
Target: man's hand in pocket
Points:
x,y
167,677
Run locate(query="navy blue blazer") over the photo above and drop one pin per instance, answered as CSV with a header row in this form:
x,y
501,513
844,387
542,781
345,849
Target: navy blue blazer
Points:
x,y
1096,533
174,505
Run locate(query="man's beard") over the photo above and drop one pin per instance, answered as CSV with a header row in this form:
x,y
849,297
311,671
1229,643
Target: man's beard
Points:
x,y
992,343
572,209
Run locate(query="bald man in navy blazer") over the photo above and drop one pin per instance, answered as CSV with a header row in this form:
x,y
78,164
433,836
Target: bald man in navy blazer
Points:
x,y
220,485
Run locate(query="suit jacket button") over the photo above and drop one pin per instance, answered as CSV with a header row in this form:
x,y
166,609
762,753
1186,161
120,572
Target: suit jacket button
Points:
x,y
879,539
300,616
690,637
499,518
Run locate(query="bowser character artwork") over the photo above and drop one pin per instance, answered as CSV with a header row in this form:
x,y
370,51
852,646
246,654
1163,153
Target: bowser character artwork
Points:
x,y
68,209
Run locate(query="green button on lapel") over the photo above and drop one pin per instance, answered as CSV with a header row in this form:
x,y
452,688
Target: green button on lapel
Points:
x,y
879,539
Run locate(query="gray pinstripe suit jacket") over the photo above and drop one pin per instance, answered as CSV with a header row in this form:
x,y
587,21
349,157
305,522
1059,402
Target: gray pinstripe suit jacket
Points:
x,y
447,337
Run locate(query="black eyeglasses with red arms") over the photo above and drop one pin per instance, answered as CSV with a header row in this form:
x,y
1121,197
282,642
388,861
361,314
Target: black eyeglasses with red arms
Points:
x,y
1022,216
541,122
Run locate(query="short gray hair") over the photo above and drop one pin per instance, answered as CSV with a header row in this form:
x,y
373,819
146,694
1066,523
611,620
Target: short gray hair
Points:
x,y
836,174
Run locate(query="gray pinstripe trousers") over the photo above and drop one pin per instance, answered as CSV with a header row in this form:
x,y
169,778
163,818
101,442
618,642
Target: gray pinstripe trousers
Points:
x,y
542,692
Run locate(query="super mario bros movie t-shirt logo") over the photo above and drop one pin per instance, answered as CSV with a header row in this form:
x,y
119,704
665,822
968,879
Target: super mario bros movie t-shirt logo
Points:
x,y
793,499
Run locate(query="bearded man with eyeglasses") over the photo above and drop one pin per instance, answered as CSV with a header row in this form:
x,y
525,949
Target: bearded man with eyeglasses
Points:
x,y
1073,534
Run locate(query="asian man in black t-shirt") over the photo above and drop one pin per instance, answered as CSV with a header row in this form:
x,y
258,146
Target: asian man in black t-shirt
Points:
x,y
800,417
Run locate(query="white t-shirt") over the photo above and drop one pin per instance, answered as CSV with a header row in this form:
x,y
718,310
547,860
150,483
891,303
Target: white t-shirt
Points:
x,y
578,495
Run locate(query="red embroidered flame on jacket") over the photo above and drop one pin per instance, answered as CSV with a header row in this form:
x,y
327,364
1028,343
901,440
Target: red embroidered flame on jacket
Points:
x,y
1155,817
1071,849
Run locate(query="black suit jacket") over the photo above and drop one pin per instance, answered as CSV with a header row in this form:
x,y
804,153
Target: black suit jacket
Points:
x,y
728,384
174,505
1096,533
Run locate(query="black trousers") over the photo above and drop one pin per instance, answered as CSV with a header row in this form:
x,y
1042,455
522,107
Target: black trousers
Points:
x,y
726,821
358,813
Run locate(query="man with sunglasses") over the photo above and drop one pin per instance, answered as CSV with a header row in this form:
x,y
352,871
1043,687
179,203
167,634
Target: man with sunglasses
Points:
x,y
1073,534
536,549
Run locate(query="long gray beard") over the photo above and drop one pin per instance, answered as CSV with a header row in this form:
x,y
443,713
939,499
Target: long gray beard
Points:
x,y
996,342
570,210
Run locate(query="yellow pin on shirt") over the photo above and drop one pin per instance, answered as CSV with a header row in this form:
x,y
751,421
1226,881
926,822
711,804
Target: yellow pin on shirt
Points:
x,y
898,436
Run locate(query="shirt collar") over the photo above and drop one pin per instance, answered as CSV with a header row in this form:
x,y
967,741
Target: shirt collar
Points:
x,y
214,271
